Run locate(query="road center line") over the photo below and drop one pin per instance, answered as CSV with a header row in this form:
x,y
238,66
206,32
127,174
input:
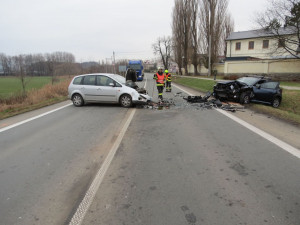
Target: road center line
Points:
x,y
32,118
292,150
91,192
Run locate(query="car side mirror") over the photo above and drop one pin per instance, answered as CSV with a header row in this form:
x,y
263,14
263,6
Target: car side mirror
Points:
x,y
258,86
111,84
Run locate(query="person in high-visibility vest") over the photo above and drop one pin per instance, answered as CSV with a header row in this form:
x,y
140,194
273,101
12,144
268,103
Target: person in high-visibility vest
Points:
x,y
160,81
168,81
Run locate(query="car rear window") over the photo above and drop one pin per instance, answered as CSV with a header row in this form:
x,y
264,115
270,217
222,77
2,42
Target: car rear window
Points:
x,y
89,80
77,80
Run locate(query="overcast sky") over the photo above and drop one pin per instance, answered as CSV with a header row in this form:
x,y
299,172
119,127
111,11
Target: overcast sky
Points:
x,y
93,29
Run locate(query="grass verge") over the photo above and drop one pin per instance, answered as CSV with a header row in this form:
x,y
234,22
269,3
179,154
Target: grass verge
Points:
x,y
289,110
197,84
34,99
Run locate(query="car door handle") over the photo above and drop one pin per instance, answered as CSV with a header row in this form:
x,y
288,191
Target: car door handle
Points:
x,y
99,89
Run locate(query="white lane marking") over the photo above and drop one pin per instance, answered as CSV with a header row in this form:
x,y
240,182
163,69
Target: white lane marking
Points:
x,y
285,146
32,118
145,83
90,194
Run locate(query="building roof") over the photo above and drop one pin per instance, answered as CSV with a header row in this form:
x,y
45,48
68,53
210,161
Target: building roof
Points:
x,y
260,33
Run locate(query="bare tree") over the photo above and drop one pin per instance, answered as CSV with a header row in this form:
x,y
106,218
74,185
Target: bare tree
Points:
x,y
282,22
163,48
213,15
6,63
182,31
194,37
177,34
228,29
19,67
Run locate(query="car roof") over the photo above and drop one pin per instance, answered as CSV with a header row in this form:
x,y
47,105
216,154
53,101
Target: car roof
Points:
x,y
106,74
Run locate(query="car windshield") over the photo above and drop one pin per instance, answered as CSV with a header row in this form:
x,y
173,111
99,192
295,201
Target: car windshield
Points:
x,y
135,66
119,78
248,80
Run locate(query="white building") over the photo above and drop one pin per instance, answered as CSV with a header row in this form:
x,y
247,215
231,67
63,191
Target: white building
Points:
x,y
260,52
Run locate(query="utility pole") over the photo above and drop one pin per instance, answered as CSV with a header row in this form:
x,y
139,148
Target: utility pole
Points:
x,y
209,39
106,65
114,62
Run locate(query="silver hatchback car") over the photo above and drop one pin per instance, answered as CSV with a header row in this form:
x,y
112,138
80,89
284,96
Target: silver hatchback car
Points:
x,y
103,88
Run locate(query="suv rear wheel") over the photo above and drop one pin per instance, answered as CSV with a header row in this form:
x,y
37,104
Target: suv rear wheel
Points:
x,y
276,102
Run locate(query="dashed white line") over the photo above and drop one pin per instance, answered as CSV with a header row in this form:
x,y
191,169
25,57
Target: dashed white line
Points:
x,y
145,83
292,150
91,192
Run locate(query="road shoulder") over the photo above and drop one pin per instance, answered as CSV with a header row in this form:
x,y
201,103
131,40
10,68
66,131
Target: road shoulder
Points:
x,y
31,114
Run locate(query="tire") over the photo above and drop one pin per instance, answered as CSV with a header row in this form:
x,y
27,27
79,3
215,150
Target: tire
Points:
x,y
245,98
276,102
77,100
126,101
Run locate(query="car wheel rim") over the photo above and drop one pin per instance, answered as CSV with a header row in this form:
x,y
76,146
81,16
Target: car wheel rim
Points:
x,y
276,103
77,100
125,101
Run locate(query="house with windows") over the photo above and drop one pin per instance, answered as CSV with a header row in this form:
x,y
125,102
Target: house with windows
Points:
x,y
260,52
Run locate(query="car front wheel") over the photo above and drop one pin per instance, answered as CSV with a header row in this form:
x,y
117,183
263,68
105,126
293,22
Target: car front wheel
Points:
x,y
245,98
276,102
77,100
126,100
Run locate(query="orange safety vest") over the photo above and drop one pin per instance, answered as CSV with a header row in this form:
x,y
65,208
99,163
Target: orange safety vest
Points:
x,y
168,76
160,78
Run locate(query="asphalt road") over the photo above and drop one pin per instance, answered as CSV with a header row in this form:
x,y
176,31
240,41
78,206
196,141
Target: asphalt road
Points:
x,y
180,165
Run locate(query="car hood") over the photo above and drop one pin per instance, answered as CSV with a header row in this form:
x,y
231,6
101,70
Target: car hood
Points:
x,y
226,82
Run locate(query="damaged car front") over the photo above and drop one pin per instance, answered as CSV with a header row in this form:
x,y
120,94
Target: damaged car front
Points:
x,y
233,90
139,96
240,90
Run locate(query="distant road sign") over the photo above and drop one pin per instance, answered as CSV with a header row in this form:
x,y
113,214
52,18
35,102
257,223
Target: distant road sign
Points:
x,y
122,68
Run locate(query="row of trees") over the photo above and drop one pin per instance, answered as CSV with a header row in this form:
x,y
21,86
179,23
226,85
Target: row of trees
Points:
x,y
195,24
49,64
52,64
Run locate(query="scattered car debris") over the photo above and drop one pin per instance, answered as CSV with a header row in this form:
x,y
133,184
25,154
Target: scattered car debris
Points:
x,y
192,102
162,104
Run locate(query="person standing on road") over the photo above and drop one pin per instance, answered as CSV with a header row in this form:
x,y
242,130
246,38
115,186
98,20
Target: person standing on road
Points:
x,y
168,81
160,80
131,78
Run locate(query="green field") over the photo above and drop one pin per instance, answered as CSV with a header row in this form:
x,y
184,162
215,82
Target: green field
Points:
x,y
12,85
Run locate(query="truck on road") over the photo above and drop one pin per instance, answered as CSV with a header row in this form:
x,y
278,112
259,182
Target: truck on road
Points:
x,y
137,65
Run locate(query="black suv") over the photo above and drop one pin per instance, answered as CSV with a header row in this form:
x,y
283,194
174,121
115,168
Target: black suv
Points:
x,y
252,88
